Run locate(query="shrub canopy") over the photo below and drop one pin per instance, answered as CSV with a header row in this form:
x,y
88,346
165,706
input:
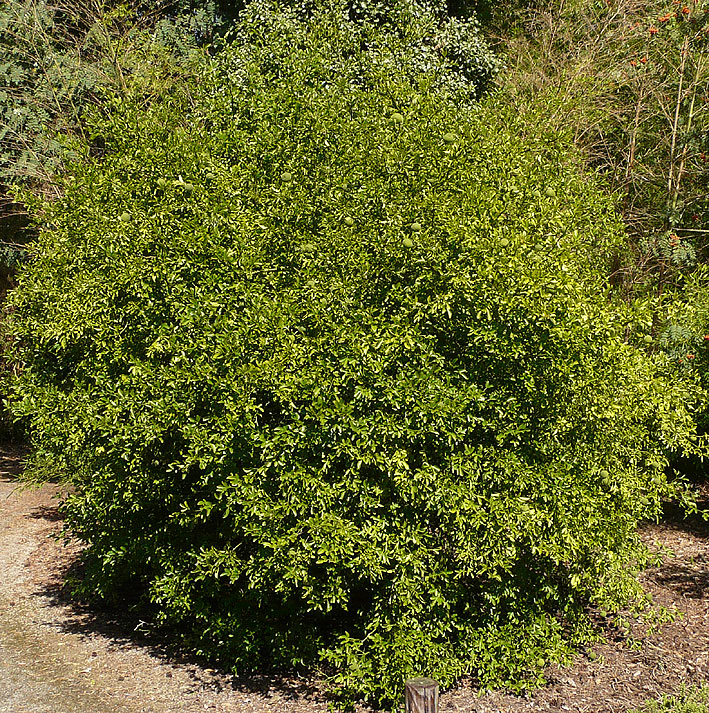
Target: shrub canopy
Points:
x,y
329,358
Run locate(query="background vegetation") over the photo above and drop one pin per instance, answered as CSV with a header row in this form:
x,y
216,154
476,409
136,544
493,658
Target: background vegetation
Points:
x,y
631,80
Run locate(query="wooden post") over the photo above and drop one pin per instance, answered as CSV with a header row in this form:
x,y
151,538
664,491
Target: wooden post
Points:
x,y
421,695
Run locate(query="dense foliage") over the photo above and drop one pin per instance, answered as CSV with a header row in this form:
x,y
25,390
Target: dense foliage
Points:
x,y
328,355
442,37
58,58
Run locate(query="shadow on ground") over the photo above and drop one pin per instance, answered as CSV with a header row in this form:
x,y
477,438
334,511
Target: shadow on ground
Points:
x,y
12,459
689,579
128,623
696,524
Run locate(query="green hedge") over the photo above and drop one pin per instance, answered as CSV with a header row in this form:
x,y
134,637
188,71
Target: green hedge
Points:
x,y
330,360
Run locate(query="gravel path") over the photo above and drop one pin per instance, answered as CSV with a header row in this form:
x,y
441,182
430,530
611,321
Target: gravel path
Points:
x,y
35,677
59,657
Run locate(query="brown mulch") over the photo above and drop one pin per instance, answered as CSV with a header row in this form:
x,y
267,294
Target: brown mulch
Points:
x,y
110,661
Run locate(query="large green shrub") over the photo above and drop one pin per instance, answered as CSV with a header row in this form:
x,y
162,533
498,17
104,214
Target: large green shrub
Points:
x,y
330,361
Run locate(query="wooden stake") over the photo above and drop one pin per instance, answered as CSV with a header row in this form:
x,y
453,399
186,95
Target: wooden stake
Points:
x,y
421,695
